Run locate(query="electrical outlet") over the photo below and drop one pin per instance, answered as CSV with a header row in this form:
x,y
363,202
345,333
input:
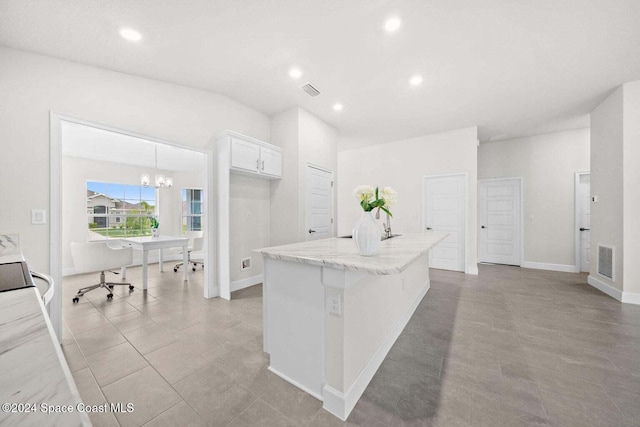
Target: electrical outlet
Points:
x,y
334,305
245,263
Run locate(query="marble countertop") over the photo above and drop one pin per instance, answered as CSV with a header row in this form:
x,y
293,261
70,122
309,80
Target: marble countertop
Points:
x,y
394,255
34,370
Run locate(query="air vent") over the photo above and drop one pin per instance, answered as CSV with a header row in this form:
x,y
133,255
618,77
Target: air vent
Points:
x,y
311,91
605,261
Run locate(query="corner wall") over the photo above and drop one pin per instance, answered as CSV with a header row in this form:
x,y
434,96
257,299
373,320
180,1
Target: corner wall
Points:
x,y
615,156
403,165
607,185
547,165
304,139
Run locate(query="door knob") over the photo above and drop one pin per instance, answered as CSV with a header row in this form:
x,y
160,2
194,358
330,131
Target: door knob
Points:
x,y
482,226
584,229
311,231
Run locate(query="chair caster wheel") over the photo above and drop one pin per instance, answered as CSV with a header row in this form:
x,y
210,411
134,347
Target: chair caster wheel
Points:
x,y
131,287
194,269
110,286
76,299
109,296
175,270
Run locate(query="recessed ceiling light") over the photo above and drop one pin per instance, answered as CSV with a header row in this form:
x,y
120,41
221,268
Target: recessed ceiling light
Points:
x,y
337,106
296,73
392,24
416,80
131,34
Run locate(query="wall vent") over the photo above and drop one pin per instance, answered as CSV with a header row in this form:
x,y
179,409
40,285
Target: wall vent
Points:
x,y
605,261
311,91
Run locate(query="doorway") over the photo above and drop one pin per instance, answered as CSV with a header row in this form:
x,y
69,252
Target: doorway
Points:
x,y
583,221
500,238
444,209
59,125
319,203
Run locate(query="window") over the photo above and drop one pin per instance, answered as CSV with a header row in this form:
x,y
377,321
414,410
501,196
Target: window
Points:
x,y
191,210
119,210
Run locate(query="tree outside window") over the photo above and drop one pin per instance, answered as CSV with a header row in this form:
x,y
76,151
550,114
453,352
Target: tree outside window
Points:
x,y
119,210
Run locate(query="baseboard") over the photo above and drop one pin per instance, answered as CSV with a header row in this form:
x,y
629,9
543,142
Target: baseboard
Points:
x,y
631,298
605,287
472,269
566,268
245,283
289,380
340,404
70,271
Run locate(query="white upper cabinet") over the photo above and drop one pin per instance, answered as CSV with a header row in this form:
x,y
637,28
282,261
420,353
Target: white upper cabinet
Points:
x,y
270,162
250,157
245,155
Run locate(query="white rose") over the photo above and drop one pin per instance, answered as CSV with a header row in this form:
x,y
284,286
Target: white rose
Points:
x,y
363,192
389,195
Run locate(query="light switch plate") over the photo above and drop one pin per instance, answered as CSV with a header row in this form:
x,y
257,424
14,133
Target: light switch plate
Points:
x,y
38,216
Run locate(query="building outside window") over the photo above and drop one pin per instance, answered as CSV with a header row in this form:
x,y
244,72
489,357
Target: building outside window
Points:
x,y
119,210
191,210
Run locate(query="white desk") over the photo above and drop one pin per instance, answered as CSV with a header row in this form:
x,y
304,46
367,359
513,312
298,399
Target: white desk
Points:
x,y
149,243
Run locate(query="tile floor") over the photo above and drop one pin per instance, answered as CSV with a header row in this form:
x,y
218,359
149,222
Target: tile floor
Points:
x,y
509,347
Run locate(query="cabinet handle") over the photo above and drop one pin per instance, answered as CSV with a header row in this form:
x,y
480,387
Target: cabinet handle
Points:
x,y
257,164
263,165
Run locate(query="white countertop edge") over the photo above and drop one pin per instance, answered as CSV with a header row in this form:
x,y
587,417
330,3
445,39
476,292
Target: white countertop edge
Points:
x,y
359,263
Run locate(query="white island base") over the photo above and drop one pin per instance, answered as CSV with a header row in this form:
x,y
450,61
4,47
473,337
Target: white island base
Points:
x,y
327,328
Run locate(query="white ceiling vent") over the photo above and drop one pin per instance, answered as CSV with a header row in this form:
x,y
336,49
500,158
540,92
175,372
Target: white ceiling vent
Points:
x,y
311,91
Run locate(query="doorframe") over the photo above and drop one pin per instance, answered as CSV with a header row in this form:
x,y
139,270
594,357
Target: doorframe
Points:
x,y
521,180
55,207
576,220
332,198
466,210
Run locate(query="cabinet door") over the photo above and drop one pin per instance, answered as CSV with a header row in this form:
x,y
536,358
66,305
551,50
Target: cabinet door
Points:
x,y
245,155
270,162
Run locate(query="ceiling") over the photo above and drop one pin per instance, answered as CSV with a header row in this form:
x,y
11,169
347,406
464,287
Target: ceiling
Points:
x,y
511,67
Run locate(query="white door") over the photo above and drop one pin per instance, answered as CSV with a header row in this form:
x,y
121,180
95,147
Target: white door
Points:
x,y
319,205
444,210
499,215
583,216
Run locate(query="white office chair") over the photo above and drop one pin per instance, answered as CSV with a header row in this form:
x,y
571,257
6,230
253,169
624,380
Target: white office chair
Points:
x,y
100,256
195,246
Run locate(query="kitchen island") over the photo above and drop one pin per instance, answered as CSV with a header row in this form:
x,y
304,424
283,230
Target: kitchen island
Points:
x,y
332,315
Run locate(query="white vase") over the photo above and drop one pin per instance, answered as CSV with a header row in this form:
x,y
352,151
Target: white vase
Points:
x,y
154,232
366,234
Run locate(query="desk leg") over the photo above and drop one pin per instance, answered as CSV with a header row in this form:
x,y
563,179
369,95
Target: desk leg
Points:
x,y
145,272
185,263
160,260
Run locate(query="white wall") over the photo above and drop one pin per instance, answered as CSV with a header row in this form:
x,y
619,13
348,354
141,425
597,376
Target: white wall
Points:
x,y
403,165
249,221
304,139
284,209
33,85
547,165
318,146
631,203
607,183
77,171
